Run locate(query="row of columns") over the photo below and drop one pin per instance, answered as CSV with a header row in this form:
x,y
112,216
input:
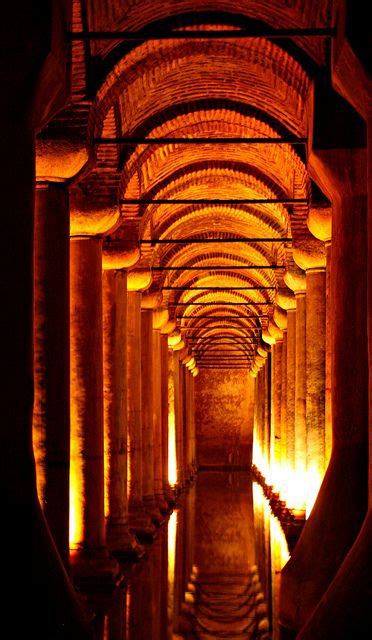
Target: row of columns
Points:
x,y
295,448
101,414
319,367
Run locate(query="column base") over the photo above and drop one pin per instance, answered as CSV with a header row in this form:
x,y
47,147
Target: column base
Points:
x,y
140,524
162,504
153,510
169,496
94,570
123,544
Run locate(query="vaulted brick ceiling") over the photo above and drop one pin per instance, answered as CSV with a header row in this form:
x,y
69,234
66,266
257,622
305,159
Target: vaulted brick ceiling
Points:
x,y
206,88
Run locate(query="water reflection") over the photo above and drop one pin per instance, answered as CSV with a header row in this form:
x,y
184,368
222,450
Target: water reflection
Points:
x,y
213,572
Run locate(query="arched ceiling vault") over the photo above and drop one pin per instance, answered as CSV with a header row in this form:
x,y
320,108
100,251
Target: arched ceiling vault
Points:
x,y
219,265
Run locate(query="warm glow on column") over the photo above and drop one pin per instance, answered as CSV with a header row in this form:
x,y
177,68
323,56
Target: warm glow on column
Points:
x,y
76,498
278,543
172,536
172,456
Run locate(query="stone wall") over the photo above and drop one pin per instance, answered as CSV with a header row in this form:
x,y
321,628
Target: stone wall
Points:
x,y
224,401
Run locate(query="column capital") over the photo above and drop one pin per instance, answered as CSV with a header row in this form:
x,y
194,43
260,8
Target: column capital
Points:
x,y
295,279
119,254
90,218
60,160
139,279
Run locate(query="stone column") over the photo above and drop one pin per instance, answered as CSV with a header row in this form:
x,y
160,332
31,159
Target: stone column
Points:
x,y
328,397
147,396
157,413
89,555
310,255
342,500
300,389
188,454
174,470
139,520
168,494
178,410
51,414
315,381
291,382
283,409
122,543
276,407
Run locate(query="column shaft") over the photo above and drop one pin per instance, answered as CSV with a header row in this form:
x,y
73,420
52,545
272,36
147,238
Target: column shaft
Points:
x,y
291,381
328,399
87,523
139,520
283,409
51,415
147,407
300,389
178,418
315,380
164,415
276,407
157,414
115,413
172,442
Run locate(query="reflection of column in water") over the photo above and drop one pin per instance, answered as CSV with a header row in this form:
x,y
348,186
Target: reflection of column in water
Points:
x,y
271,553
115,627
172,534
279,557
178,571
144,619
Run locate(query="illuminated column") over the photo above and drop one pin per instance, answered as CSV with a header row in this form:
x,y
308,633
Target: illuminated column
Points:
x,y
178,393
283,410
309,254
276,404
119,539
51,414
172,453
188,454
139,519
164,416
87,523
315,381
147,407
291,382
342,500
158,427
320,224
328,398
300,388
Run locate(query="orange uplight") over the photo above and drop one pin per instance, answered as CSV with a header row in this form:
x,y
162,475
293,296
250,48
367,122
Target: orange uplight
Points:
x,y
172,457
172,536
76,497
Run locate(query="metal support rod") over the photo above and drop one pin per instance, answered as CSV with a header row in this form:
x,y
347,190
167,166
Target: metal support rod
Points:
x,y
214,303
201,140
230,317
219,268
154,241
218,288
220,326
256,32
147,201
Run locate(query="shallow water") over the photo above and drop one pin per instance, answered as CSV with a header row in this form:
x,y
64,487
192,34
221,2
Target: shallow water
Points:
x,y
213,571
